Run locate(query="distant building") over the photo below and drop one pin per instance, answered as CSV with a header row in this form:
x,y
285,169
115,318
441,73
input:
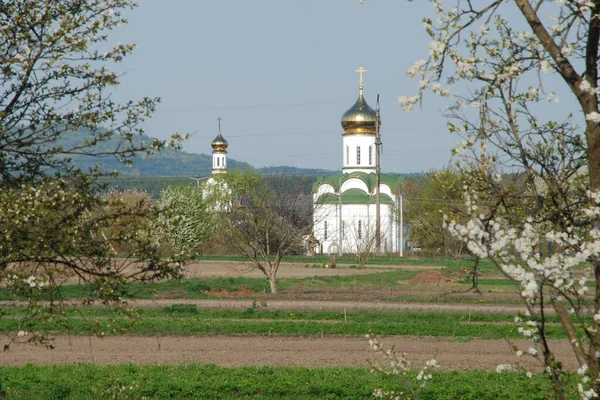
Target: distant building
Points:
x,y
345,204
219,154
213,186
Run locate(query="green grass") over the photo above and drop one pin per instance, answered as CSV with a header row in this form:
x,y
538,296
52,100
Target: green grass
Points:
x,y
196,288
192,311
186,320
85,381
386,284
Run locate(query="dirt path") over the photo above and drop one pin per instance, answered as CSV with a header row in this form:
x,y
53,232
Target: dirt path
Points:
x,y
234,351
203,269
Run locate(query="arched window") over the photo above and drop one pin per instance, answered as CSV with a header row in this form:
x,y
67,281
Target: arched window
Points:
x,y
347,155
370,155
324,229
359,229
218,160
357,155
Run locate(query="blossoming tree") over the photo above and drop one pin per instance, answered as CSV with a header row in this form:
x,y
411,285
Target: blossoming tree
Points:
x,y
540,228
188,217
56,80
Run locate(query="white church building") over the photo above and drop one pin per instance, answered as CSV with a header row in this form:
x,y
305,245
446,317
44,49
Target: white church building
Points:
x,y
345,204
214,186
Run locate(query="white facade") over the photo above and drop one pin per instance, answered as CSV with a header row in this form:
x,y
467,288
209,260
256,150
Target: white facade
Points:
x,y
358,153
219,162
352,226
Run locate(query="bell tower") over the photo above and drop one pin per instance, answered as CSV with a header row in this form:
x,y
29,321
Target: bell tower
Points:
x,y
219,154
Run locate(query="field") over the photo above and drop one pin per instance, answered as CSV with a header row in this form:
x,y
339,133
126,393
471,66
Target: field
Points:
x,y
219,334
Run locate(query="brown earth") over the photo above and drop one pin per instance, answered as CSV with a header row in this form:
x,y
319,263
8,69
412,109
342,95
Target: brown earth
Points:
x,y
203,269
324,352
241,351
429,278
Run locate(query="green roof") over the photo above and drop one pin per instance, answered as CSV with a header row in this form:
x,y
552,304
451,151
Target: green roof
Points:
x,y
354,196
369,179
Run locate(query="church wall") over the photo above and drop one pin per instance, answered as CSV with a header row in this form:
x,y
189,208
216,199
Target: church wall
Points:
x,y
355,184
349,152
385,189
354,239
325,188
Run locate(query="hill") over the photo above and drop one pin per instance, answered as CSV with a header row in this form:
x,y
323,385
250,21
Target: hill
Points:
x,y
167,163
164,163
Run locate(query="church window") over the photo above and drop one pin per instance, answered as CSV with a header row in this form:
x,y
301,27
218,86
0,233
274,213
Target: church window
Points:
x,y
347,155
359,230
370,155
325,230
218,160
357,155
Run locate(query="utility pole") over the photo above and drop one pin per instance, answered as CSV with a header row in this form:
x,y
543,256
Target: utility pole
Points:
x,y
401,226
340,222
378,174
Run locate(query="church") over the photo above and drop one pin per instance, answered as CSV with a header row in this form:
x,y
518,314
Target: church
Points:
x,y
214,186
345,204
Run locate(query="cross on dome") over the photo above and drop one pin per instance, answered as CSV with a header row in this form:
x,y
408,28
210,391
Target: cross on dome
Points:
x,y
361,70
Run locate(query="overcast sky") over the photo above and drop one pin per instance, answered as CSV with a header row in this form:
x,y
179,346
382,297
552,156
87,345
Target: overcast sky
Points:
x,y
281,73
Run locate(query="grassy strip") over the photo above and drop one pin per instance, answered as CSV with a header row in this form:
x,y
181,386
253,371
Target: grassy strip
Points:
x,y
199,288
191,326
84,381
192,311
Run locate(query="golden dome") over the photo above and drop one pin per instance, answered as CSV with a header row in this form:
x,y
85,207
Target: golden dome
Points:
x,y
219,144
360,118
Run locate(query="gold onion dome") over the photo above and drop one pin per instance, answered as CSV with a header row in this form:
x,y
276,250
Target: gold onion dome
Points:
x,y
360,118
219,144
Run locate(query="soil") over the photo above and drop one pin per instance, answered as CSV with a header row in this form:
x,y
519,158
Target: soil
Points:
x,y
246,351
203,269
323,352
429,278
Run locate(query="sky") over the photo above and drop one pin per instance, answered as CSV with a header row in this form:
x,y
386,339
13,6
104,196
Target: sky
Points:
x,y
280,74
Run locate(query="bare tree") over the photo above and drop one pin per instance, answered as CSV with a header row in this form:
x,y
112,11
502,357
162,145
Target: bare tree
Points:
x,y
359,235
267,223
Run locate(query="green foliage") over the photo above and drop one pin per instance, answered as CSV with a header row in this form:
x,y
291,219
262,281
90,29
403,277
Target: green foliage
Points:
x,y
84,381
186,320
427,201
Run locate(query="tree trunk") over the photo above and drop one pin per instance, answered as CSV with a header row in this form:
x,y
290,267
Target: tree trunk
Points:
x,y
273,284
